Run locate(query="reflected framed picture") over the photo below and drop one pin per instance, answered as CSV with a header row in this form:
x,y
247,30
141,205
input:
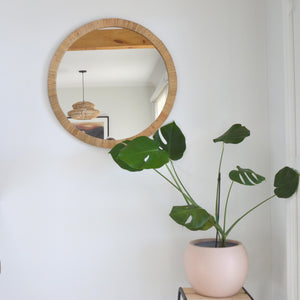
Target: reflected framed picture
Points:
x,y
97,127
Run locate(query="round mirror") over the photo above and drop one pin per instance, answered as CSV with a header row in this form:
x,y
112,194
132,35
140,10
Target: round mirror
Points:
x,y
111,80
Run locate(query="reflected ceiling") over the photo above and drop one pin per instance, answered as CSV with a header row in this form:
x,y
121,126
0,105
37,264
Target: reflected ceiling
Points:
x,y
126,67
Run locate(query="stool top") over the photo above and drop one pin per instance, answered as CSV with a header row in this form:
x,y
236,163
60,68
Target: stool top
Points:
x,y
190,294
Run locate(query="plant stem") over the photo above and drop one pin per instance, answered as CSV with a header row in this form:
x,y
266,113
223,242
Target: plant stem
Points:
x,y
218,197
166,179
174,185
219,228
245,214
173,167
225,212
221,158
218,185
223,240
218,207
188,200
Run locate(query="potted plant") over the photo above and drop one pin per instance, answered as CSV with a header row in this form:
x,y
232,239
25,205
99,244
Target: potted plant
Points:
x,y
215,267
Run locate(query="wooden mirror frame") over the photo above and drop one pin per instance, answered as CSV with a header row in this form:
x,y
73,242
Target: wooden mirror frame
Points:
x,y
78,33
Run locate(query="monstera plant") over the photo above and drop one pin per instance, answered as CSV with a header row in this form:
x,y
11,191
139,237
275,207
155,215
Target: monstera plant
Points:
x,y
168,145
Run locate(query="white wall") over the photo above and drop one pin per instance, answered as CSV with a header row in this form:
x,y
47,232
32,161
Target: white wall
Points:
x,y
129,109
75,226
277,150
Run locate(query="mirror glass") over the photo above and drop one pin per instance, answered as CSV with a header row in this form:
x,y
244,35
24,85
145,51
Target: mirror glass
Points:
x,y
126,80
111,80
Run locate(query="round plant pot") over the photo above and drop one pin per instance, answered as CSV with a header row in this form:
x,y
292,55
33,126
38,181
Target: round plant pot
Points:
x,y
216,272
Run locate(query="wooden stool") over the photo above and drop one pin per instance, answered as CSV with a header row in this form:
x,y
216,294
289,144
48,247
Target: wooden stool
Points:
x,y
189,294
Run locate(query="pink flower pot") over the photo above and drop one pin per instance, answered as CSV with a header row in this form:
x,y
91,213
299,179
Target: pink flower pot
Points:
x,y
216,272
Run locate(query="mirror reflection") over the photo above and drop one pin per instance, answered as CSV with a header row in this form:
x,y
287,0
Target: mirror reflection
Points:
x,y
125,79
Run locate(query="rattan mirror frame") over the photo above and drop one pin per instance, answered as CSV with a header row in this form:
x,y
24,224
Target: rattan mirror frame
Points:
x,y
104,23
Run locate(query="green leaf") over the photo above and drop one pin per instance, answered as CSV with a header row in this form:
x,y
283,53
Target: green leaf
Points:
x,y
175,140
210,223
143,153
192,217
286,182
115,155
245,176
234,135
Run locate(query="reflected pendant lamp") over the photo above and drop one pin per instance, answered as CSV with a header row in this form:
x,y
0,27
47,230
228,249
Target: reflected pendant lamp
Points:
x,y
83,110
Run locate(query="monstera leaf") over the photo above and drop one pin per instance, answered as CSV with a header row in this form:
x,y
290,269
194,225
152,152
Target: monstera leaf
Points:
x,y
175,140
192,217
115,155
143,153
286,182
234,135
245,176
